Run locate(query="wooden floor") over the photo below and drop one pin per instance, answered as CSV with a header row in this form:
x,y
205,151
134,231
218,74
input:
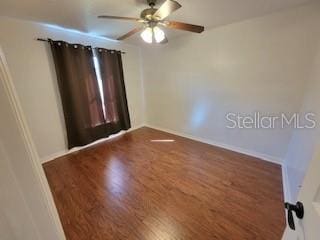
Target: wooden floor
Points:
x,y
133,188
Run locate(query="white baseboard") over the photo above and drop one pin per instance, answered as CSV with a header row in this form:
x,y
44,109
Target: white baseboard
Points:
x,y
207,141
66,151
53,156
262,156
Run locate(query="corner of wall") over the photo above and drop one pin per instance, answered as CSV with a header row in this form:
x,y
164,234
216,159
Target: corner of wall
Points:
x,y
143,86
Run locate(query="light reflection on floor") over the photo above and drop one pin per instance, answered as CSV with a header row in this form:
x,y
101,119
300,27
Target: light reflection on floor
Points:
x,y
115,177
162,140
162,225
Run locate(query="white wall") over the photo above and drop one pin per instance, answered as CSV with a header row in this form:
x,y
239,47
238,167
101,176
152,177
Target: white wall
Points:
x,y
30,62
303,143
257,65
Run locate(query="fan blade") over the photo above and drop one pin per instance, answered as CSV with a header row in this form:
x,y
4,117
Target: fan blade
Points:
x,y
184,26
119,18
168,7
129,34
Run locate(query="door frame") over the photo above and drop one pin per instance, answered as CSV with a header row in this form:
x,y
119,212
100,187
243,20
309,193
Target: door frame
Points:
x,y
6,80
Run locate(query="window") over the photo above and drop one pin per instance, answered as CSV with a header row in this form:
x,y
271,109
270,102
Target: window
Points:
x,y
100,84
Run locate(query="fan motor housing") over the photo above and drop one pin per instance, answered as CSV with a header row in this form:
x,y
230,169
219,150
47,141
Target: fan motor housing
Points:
x,y
148,13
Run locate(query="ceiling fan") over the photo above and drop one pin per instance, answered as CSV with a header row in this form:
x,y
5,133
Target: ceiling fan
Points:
x,y
151,18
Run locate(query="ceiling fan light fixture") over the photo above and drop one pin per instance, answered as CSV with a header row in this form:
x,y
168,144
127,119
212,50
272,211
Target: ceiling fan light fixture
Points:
x,y
151,34
147,35
152,17
159,35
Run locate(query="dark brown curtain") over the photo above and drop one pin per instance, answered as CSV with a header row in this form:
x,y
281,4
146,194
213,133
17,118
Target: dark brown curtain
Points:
x,y
86,117
115,100
79,92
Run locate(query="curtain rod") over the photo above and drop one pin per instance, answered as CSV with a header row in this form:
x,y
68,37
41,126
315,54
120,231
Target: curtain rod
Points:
x,y
46,40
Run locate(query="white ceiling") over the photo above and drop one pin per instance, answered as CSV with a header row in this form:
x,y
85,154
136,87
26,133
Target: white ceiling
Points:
x,y
82,14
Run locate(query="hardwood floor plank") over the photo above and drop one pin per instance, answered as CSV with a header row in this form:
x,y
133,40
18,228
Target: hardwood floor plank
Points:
x,y
134,188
